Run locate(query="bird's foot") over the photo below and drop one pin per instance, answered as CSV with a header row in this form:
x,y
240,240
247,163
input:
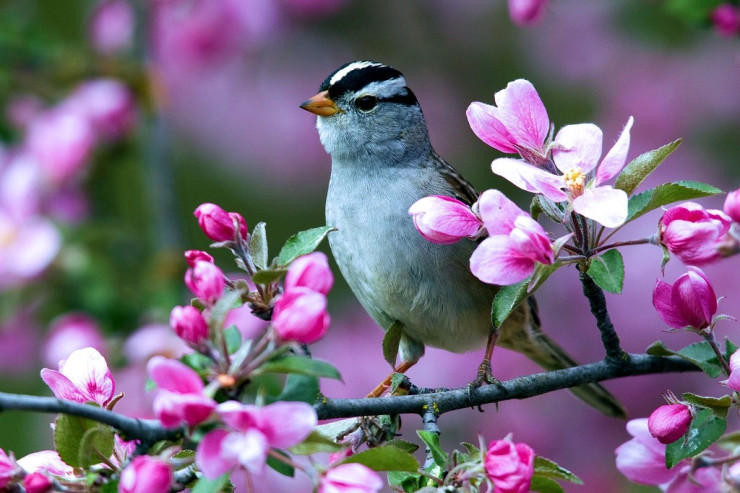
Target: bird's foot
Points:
x,y
485,376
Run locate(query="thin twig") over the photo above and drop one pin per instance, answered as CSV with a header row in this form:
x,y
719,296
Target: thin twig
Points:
x,y
597,301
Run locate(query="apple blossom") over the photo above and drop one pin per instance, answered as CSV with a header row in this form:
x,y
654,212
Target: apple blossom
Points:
x,y
670,422
518,124
515,245
300,315
732,205
693,233
69,332
28,246
310,271
219,225
37,482
180,395
83,377
444,220
527,12
510,466
145,474
733,382
350,478
575,152
46,462
8,468
726,19
642,459
193,256
689,302
206,281
189,324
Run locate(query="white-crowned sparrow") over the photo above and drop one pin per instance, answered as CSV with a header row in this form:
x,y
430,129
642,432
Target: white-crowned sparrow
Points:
x,y
371,124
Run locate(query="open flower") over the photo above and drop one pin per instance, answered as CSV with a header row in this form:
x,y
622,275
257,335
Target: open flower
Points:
x,y
444,220
515,245
83,377
180,396
689,302
576,152
692,233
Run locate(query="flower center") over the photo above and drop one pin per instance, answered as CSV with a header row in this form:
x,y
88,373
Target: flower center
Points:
x,y
575,179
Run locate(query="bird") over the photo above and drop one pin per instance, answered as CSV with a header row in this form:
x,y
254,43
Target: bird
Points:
x,y
382,161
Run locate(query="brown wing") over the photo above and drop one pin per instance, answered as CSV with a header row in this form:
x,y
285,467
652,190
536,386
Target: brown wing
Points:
x,y
464,191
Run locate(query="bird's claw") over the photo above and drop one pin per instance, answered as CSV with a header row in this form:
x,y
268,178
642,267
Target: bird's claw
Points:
x,y
485,376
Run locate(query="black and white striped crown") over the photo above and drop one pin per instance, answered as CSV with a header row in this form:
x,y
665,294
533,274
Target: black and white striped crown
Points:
x,y
382,81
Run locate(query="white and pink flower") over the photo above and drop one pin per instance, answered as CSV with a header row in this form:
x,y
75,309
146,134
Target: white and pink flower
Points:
x,y
83,377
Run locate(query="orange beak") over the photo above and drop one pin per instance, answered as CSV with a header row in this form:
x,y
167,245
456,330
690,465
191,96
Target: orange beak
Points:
x,y
321,105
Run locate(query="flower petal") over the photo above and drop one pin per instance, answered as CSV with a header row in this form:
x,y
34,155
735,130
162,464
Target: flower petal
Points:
x,y
496,261
287,423
443,220
663,303
208,457
61,386
605,205
498,212
484,121
614,160
577,146
174,376
522,112
530,178
87,369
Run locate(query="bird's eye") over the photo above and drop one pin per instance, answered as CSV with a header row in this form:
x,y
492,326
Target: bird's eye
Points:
x,y
366,103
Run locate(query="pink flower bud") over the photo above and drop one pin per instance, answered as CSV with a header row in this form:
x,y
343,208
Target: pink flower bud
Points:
x,y
37,482
670,422
189,324
193,256
300,315
350,478
527,12
444,220
310,271
180,396
145,474
206,281
510,466
689,302
726,19
693,233
111,28
217,224
732,205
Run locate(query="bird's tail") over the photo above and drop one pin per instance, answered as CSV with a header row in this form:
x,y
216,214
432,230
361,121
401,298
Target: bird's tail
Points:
x,y
522,333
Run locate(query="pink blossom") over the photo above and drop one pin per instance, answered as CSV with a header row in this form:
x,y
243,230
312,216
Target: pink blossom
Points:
x,y
8,468
70,332
726,19
300,315
515,245
219,225
206,281
180,396
693,233
350,478
642,459
83,377
576,152
145,474
193,256
27,248
150,340
444,220
732,205
111,26
527,12
252,431
189,324
689,302
37,482
107,104
518,124
670,422
310,271
46,462
510,466
734,381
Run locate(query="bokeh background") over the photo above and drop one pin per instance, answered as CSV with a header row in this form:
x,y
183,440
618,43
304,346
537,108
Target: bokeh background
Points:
x,y
200,104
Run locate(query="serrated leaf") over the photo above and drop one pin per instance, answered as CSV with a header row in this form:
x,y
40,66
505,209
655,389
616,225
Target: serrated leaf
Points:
x,y
385,458
300,365
665,194
258,246
314,443
302,388
391,340
268,276
550,469
608,271
96,446
508,298
281,466
205,485
302,243
233,339
640,168
68,433
545,485
431,440
705,429
718,405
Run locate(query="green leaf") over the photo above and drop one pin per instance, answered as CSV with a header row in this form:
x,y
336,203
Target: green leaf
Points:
x,y
508,298
705,429
315,443
391,340
550,469
205,485
280,466
692,11
700,353
718,405
730,348
431,440
268,276
403,445
665,194
658,349
545,485
640,168
300,365
409,482
302,243
96,446
258,246
541,204
229,300
68,435
608,271
233,339
385,458
302,388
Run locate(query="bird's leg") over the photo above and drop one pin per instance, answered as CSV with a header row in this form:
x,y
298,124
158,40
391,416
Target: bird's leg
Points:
x,y
485,374
402,367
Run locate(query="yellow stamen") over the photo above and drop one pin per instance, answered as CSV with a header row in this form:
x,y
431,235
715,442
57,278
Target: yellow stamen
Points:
x,y
575,179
